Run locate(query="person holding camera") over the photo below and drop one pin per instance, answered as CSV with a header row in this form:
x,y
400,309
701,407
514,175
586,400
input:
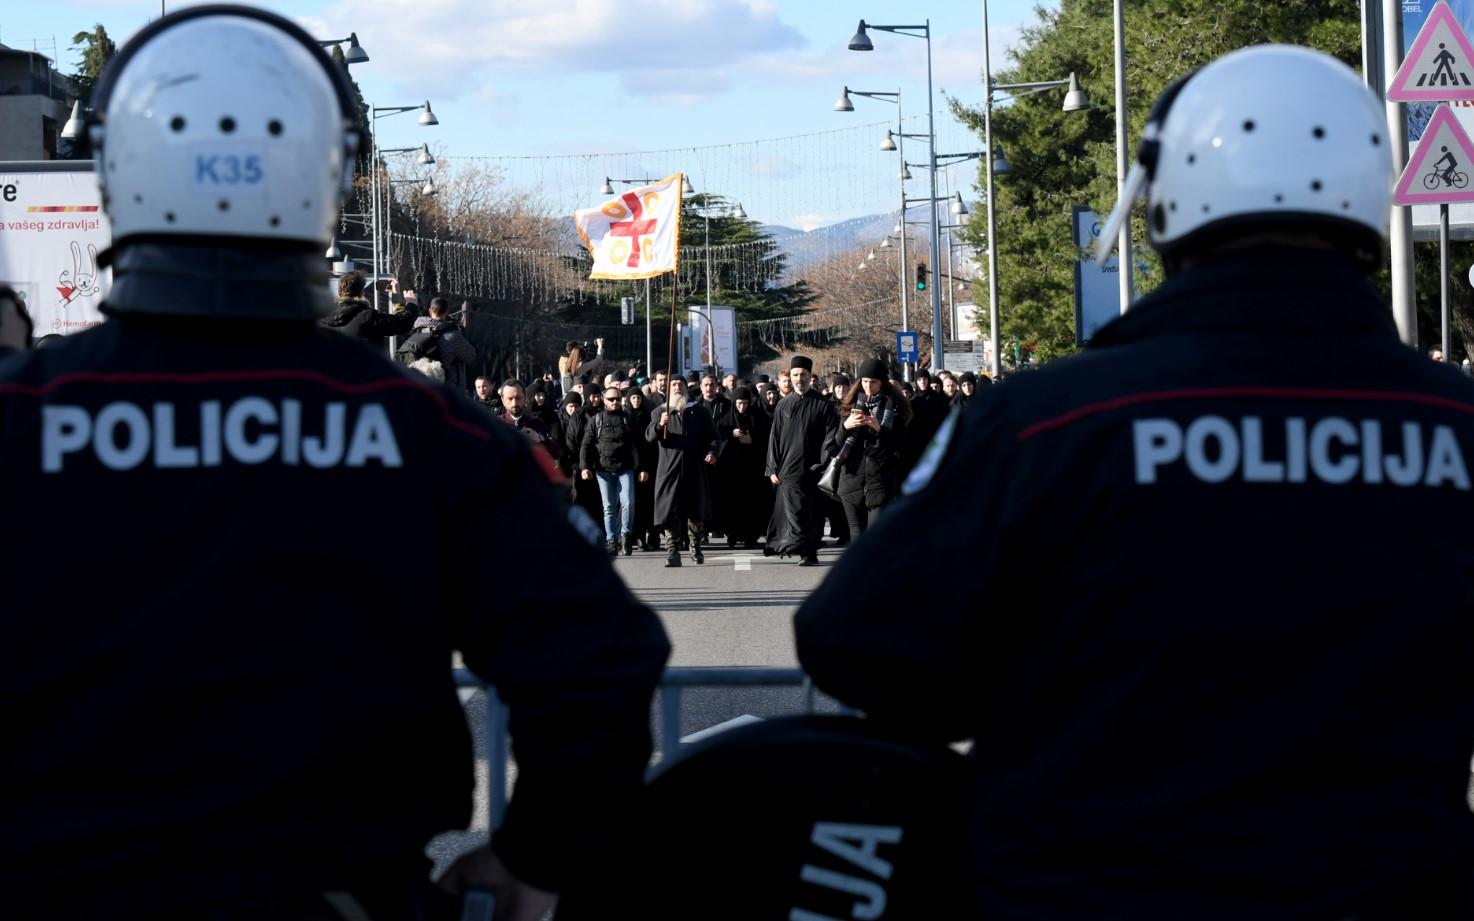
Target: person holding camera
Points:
x,y
355,316
869,444
575,366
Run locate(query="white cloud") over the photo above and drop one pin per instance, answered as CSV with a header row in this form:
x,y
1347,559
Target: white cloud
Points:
x,y
449,47
808,222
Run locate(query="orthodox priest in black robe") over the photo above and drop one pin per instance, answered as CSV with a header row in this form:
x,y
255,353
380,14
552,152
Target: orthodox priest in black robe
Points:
x,y
743,503
685,438
803,425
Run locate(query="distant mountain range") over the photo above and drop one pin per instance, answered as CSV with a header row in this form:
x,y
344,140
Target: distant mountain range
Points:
x,y
804,248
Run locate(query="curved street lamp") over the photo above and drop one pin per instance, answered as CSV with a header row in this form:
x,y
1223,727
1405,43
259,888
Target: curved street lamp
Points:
x,y
355,53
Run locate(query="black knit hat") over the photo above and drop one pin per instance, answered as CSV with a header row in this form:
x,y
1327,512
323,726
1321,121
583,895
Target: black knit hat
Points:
x,y
874,369
572,397
742,393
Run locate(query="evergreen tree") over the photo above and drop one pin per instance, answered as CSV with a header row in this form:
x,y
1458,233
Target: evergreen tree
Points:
x,y
1062,159
363,111
755,295
96,50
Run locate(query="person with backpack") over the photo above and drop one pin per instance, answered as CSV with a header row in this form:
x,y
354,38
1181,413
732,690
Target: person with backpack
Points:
x,y
610,454
438,347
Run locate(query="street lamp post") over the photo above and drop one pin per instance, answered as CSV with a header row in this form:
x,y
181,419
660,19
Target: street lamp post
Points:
x,y
426,119
894,140
996,166
1126,259
355,53
861,42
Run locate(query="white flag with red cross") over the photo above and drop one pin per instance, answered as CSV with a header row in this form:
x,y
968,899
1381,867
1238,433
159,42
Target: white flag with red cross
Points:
x,y
636,234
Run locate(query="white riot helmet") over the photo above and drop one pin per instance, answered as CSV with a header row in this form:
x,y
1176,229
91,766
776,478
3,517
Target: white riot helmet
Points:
x,y
1273,136
220,128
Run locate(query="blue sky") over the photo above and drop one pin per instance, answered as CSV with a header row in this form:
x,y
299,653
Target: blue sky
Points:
x,y
582,83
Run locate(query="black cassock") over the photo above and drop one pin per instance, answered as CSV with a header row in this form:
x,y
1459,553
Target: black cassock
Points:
x,y
743,500
682,492
802,426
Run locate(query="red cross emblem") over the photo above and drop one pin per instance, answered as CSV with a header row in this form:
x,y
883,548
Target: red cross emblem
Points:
x,y
634,228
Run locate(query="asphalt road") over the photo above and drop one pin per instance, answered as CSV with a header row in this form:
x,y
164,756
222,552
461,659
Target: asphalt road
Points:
x,y
736,609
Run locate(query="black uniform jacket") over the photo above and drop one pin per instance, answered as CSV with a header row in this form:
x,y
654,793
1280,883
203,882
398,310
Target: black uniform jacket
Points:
x,y
217,652
1206,606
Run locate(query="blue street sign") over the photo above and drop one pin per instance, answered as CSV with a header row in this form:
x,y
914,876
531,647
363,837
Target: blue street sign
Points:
x,y
908,344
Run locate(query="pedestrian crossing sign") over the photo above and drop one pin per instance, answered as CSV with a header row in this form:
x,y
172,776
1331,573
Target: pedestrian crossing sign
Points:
x,y
1439,66
1438,171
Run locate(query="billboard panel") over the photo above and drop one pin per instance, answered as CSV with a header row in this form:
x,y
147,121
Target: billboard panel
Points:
x,y
51,231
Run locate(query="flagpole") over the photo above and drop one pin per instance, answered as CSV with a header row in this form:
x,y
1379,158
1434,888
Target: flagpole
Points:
x,y
670,360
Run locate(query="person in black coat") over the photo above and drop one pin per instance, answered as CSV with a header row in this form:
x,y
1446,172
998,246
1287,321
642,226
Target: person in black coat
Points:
x,y
645,533
869,441
686,438
245,709
570,429
928,411
355,316
611,459
744,502
1206,602
803,427
16,327
546,409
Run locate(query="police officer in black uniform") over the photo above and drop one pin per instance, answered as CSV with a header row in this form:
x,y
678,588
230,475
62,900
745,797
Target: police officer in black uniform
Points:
x,y
1207,604
243,549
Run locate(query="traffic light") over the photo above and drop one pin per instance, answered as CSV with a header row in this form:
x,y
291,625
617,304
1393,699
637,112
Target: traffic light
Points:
x,y
920,276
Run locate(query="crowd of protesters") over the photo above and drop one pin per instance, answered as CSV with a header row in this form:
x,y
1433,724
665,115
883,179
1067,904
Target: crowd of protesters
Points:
x,y
717,456
672,464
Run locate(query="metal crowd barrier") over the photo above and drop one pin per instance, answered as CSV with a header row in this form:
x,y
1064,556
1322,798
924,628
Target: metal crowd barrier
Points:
x,y
673,684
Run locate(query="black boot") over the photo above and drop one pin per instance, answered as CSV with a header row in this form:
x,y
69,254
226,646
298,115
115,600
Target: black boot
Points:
x,y
612,547
673,559
629,544
697,557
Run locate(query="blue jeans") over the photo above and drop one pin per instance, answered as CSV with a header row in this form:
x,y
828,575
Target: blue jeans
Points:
x,y
618,492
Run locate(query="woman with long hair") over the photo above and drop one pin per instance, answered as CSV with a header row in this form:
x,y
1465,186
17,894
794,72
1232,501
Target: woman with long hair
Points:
x,y
874,417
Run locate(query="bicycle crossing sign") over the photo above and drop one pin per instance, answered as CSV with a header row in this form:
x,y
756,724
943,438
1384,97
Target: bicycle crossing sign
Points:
x,y
1438,171
1439,67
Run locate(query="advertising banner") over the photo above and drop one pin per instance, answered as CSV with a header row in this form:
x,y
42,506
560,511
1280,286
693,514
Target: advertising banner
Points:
x,y
51,230
713,343
1097,287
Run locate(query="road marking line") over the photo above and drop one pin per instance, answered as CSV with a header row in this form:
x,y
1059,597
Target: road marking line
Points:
x,y
743,720
742,564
